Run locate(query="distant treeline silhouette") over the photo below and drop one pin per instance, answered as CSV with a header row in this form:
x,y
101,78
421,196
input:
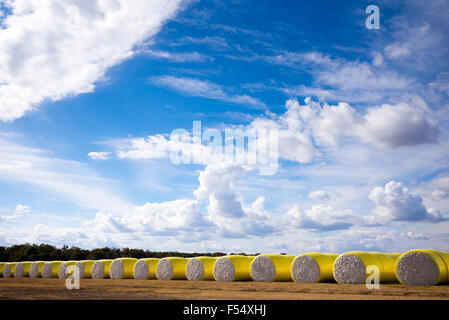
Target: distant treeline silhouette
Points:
x,y
46,252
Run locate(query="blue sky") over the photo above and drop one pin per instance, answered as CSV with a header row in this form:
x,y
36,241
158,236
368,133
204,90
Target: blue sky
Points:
x,y
90,92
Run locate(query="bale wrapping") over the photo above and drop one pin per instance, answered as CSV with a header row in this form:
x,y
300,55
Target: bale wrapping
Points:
x,y
8,269
313,267
233,268
100,269
201,268
122,268
271,267
62,270
85,268
423,267
51,269
2,265
22,269
350,267
36,269
145,268
172,268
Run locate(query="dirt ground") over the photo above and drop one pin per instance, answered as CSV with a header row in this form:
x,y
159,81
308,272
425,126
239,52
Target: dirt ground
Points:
x,y
209,290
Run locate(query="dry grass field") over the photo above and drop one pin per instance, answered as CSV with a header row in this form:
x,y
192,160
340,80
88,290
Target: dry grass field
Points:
x,y
208,290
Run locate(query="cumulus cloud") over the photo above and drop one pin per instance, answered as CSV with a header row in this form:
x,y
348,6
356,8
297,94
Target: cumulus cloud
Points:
x,y
319,218
216,184
18,212
57,49
394,202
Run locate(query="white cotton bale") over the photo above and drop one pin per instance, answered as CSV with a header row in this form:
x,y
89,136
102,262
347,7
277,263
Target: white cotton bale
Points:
x,y
200,268
172,268
85,268
313,267
122,268
271,267
351,267
7,270
51,269
63,269
145,268
36,269
100,269
22,269
233,268
423,267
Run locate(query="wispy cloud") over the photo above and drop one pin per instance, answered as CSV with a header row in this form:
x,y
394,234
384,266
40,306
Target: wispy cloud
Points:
x,y
178,57
205,89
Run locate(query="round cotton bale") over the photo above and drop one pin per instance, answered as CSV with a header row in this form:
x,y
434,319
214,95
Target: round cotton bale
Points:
x,y
2,266
51,269
62,270
271,267
85,268
8,269
350,267
100,269
423,267
22,269
122,268
200,268
313,267
233,268
36,269
145,268
172,268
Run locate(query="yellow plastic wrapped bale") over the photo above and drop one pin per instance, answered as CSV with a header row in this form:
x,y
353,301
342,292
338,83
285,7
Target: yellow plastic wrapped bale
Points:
x,y
271,267
233,268
85,268
36,269
350,267
2,265
313,267
122,268
171,268
64,271
22,269
423,267
8,269
145,268
50,269
100,269
200,268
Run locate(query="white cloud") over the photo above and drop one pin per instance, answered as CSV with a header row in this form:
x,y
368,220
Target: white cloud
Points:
x,y
319,195
18,212
51,175
178,57
205,89
397,50
394,202
347,81
56,49
216,184
99,155
319,218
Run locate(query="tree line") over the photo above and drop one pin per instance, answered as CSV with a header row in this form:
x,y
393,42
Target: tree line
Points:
x,y
46,252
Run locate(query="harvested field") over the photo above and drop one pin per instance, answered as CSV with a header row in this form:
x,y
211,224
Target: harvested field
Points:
x,y
105,289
